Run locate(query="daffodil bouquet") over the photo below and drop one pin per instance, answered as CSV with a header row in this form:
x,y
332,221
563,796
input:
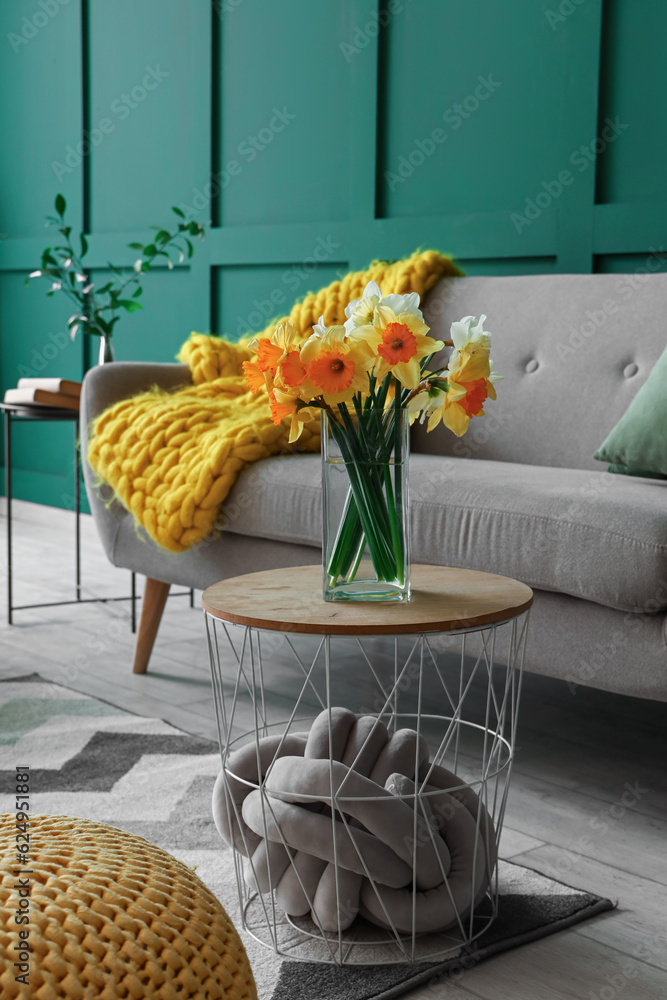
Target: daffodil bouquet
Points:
x,y
370,380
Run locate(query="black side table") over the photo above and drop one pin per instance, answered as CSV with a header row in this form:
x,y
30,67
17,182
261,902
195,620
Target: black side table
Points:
x,y
16,411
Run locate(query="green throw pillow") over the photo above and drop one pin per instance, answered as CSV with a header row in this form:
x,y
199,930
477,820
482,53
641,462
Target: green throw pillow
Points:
x,y
637,446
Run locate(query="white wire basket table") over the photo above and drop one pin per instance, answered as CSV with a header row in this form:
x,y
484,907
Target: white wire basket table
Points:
x,y
366,752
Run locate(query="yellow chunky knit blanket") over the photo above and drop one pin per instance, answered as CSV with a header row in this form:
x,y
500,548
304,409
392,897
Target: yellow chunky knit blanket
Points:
x,y
172,457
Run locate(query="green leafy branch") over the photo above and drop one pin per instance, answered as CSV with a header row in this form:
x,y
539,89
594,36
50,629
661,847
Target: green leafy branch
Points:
x,y
99,309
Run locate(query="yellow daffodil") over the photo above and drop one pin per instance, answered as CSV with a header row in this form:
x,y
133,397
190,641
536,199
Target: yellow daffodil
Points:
x,y
420,405
365,326
254,376
470,378
286,404
333,364
270,354
361,312
397,342
468,334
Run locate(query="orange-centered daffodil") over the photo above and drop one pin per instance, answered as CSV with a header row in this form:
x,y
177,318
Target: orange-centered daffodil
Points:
x,y
334,365
284,405
399,342
332,371
254,375
271,353
470,378
292,371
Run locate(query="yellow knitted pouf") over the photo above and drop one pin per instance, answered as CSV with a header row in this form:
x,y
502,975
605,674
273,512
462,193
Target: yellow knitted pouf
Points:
x,y
113,916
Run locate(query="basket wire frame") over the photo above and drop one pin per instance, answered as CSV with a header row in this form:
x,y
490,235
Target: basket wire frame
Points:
x,y
240,697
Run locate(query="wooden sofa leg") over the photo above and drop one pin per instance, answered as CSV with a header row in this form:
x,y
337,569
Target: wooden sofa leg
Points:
x,y
155,595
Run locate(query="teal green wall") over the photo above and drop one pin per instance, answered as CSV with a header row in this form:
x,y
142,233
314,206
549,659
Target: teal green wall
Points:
x,y
329,143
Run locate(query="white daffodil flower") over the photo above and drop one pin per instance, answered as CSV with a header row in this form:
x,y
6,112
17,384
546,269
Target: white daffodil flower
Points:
x,y
468,334
360,312
404,304
320,329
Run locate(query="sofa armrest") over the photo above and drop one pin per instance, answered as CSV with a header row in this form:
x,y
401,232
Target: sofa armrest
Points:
x,y
103,386
107,384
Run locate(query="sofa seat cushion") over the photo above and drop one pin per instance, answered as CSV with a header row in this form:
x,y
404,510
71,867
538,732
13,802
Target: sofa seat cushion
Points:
x,y
588,534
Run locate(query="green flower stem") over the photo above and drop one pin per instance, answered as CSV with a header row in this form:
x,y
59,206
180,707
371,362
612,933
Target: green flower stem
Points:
x,y
392,431
371,518
378,458
398,476
350,533
372,514
371,510
394,523
368,470
357,560
393,506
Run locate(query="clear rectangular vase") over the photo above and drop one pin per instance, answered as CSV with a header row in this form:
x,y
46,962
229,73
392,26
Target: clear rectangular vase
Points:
x,y
365,512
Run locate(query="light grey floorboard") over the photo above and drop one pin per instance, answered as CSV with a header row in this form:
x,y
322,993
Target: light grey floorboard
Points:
x,y
563,764
637,927
576,822
567,966
514,842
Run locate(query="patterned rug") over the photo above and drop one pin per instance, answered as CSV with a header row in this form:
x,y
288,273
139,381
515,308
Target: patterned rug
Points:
x,y
90,759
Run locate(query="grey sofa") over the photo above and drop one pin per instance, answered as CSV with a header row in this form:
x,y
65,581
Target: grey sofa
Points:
x,y
519,495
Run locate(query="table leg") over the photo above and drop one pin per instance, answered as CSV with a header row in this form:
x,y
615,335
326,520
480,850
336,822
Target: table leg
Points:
x,y
77,507
8,495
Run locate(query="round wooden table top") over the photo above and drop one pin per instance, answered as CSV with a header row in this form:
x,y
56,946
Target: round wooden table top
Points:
x,y
443,600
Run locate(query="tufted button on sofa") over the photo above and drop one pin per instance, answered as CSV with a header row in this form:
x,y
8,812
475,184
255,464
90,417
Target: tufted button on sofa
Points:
x,y
519,495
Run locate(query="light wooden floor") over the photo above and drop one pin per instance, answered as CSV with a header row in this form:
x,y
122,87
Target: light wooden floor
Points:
x,y
577,754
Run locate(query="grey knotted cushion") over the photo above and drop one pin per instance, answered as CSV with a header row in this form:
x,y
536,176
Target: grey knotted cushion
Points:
x,y
336,834
242,775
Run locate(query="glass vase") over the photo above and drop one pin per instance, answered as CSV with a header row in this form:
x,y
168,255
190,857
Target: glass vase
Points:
x,y
365,513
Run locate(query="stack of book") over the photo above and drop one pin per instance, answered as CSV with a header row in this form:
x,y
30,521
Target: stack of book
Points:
x,y
54,392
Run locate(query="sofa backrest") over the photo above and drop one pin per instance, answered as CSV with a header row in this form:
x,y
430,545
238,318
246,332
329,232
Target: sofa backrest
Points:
x,y
574,350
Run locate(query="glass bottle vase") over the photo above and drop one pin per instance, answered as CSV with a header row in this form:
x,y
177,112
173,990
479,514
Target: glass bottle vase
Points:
x,y
106,351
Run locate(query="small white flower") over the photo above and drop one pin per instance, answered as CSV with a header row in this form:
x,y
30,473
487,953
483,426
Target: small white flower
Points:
x,y
360,312
56,286
404,304
35,274
319,329
421,405
468,332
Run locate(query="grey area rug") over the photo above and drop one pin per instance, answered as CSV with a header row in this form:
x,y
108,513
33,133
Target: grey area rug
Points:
x,y
90,759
